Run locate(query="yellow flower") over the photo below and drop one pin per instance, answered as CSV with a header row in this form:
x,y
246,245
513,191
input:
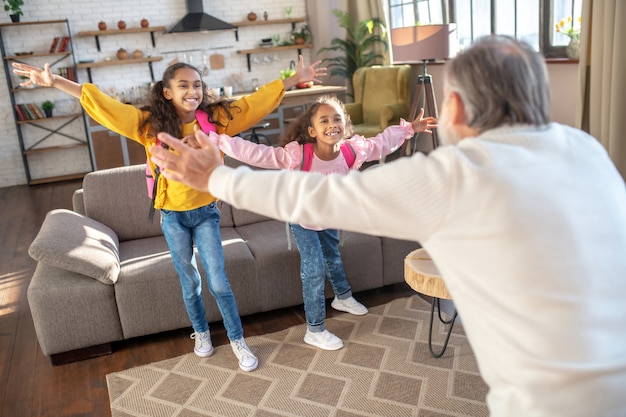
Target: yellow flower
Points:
x,y
567,28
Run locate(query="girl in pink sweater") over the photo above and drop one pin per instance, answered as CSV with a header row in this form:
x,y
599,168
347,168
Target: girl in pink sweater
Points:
x,y
321,140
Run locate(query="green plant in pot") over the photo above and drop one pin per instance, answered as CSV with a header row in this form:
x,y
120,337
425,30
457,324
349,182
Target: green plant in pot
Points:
x,y
302,35
357,46
47,107
14,8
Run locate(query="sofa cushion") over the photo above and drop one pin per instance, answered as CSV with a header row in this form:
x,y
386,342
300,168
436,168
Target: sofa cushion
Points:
x,y
73,242
118,197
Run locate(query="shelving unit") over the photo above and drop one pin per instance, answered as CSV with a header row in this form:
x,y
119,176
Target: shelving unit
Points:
x,y
97,33
261,50
46,148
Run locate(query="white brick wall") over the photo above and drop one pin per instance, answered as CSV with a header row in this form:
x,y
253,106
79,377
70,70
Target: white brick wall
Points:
x,y
84,15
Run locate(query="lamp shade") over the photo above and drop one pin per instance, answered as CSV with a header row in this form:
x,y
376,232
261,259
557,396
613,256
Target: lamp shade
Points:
x,y
423,43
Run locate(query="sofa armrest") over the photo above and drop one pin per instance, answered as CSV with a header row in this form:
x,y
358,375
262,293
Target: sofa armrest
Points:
x,y
391,114
78,204
355,110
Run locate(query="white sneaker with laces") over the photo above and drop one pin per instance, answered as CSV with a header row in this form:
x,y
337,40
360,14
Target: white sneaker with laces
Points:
x,y
349,305
247,361
203,347
323,340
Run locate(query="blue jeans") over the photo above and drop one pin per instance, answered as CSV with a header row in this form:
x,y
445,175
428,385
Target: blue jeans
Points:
x,y
319,259
201,226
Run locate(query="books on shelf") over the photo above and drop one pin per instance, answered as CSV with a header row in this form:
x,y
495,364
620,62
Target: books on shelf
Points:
x,y
55,44
69,73
60,44
29,111
64,45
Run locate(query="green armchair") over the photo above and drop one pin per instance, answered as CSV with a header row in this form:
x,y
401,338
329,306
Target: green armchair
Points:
x,y
381,98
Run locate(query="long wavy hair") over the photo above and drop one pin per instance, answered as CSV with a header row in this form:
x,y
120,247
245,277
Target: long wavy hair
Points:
x,y
298,130
163,116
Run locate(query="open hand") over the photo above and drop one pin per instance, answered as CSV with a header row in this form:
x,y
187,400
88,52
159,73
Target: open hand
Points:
x,y
184,164
424,124
310,72
36,76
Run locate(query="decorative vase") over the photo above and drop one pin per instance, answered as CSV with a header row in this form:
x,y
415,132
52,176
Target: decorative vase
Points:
x,y
102,25
573,48
252,16
122,53
144,23
15,17
121,24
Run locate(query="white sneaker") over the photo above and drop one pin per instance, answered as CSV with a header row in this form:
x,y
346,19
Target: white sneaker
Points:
x,y
349,305
203,347
323,340
247,361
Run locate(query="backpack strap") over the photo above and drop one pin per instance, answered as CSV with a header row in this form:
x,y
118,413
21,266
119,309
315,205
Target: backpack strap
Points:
x,y
349,154
307,156
152,182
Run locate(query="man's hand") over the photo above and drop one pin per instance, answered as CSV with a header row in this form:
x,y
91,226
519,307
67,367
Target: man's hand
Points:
x,y
181,163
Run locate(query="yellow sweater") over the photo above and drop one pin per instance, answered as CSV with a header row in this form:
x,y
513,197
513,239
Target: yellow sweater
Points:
x,y
125,120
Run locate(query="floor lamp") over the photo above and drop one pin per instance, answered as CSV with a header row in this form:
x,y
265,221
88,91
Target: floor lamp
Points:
x,y
423,44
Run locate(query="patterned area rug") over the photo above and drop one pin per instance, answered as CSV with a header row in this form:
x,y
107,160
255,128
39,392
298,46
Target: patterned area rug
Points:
x,y
384,369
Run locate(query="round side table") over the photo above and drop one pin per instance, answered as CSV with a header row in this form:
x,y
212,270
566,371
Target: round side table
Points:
x,y
422,275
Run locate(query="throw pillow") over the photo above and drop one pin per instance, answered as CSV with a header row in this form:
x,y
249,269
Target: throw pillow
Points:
x,y
71,241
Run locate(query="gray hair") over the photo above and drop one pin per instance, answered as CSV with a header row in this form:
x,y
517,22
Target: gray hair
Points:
x,y
501,81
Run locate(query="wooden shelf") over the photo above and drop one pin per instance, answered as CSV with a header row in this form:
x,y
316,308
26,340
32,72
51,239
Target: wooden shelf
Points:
x,y
275,48
97,33
121,31
21,57
53,148
39,22
57,179
248,52
269,22
64,116
118,62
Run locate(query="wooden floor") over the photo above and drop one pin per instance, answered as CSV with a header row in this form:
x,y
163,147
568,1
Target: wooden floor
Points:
x,y
29,385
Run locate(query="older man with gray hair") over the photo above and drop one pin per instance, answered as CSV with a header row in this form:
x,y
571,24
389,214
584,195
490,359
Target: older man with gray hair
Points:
x,y
525,219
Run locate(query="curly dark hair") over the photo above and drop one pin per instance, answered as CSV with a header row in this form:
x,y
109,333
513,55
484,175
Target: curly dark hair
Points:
x,y
298,129
163,116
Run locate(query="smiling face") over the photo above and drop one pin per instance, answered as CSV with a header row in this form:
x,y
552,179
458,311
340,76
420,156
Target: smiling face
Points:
x,y
185,92
327,125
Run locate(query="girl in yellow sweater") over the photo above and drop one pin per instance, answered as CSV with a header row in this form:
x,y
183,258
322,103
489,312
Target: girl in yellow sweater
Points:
x,y
188,217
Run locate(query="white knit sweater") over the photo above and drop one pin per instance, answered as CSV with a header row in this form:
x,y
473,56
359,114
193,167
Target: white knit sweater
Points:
x,y
528,229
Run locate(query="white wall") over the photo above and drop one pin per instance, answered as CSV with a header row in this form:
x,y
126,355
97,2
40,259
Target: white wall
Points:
x,y
85,15
167,12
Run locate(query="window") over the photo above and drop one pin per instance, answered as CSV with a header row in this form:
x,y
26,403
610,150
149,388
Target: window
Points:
x,y
533,21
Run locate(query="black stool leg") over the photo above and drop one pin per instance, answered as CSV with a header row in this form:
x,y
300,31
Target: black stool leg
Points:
x,y
430,331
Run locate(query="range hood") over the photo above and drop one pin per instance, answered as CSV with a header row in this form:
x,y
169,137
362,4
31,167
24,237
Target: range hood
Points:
x,y
197,21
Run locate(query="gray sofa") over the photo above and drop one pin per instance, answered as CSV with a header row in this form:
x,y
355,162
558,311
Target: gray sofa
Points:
x,y
104,272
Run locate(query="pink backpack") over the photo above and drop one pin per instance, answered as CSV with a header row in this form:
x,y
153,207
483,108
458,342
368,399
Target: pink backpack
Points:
x,y
152,182
203,120
307,155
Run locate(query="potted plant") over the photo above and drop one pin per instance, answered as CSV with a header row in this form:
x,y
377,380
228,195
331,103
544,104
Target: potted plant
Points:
x,y
301,36
357,46
14,7
47,107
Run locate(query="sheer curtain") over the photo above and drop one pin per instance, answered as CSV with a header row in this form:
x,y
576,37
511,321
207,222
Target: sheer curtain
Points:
x,y
601,109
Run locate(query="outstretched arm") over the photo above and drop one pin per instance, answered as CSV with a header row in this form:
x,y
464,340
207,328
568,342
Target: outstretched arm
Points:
x,y
305,74
45,77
